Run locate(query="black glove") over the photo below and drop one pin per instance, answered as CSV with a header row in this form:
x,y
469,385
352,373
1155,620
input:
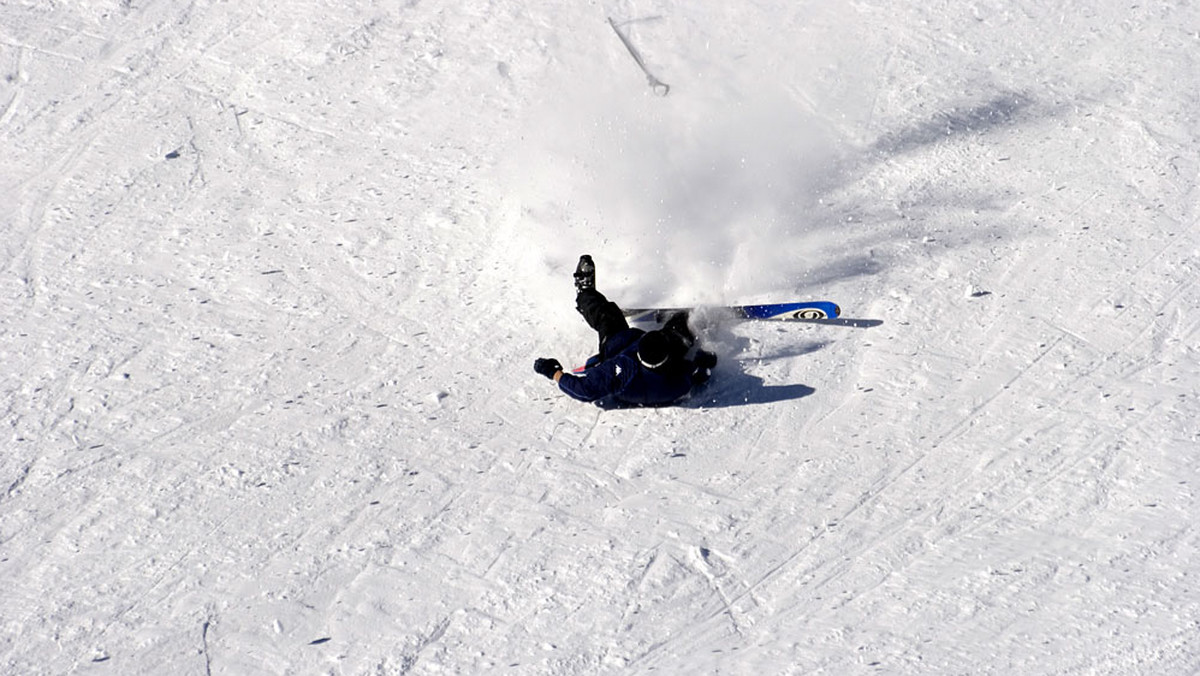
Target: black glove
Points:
x,y
547,367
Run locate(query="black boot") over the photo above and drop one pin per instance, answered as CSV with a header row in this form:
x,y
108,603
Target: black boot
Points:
x,y
585,274
705,360
677,325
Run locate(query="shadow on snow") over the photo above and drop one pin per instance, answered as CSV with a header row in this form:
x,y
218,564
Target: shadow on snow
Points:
x,y
744,390
734,386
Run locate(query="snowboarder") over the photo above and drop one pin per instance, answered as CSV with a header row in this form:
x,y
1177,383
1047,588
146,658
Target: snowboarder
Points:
x,y
633,367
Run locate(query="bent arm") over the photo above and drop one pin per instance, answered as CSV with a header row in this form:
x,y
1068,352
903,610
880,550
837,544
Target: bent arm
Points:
x,y
597,382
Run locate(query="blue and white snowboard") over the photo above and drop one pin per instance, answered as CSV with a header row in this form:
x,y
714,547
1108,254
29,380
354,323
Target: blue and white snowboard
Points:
x,y
801,311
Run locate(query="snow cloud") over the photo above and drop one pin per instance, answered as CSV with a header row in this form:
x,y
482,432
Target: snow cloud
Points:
x,y
696,197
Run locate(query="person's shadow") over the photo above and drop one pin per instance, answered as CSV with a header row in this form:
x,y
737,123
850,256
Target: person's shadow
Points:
x,y
732,385
746,393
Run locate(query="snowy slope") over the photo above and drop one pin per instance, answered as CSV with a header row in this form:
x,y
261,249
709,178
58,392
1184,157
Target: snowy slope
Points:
x,y
274,275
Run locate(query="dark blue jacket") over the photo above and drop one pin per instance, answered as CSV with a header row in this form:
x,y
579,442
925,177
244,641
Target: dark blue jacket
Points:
x,y
622,377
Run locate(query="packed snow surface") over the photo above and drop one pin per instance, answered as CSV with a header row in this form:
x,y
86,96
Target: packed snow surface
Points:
x,y
273,276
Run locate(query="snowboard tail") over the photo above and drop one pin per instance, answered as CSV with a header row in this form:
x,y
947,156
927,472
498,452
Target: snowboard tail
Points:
x,y
798,311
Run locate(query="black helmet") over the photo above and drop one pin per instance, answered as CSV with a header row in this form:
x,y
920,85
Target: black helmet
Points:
x,y
653,349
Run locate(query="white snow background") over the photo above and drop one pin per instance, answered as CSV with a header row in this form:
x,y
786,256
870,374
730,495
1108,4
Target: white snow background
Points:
x,y
275,273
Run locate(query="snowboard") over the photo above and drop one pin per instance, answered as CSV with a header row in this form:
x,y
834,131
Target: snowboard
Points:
x,y
797,311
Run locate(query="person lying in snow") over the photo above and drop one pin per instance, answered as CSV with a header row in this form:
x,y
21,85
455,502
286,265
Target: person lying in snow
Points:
x,y
633,367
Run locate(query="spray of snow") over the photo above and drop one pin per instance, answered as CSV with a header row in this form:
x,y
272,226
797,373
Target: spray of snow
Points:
x,y
683,199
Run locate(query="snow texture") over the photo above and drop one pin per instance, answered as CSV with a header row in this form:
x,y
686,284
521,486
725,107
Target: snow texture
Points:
x,y
273,276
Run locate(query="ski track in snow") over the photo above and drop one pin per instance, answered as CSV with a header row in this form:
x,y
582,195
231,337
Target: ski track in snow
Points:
x,y
273,282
